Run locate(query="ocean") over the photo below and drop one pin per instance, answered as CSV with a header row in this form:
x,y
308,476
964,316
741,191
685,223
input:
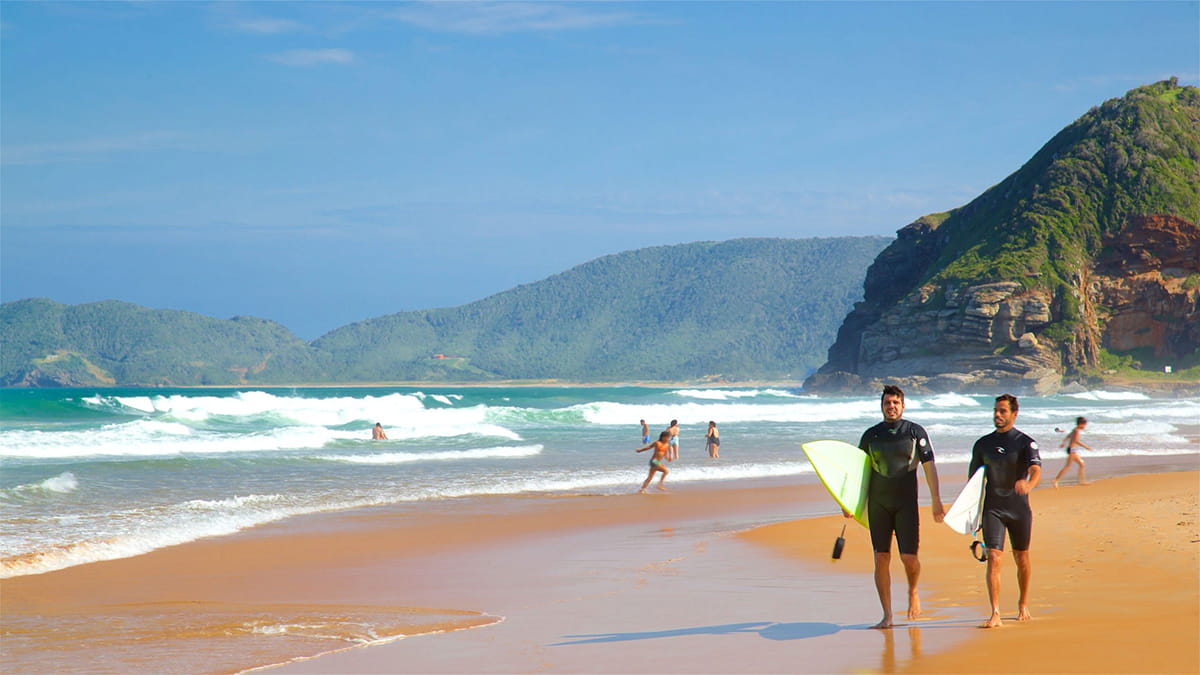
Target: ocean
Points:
x,y
92,475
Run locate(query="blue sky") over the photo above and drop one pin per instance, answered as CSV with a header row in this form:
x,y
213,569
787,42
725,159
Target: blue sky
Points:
x,y
319,164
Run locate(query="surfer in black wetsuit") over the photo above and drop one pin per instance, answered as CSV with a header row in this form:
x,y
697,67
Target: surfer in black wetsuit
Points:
x,y
895,447
1014,468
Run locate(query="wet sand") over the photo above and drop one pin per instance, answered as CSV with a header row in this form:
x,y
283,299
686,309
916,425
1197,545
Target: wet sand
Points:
x,y
703,579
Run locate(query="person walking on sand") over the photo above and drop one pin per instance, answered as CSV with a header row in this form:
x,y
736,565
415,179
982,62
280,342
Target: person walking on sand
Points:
x,y
712,441
673,430
661,447
377,434
895,447
1073,444
645,432
1014,468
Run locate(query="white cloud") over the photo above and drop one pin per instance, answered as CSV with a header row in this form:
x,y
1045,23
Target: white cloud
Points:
x,y
312,57
268,26
510,17
89,149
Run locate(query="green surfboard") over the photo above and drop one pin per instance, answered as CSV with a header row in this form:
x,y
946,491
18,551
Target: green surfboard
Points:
x,y
845,471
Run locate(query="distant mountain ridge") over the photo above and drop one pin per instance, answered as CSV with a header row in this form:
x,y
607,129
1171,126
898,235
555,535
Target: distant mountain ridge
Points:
x,y
734,310
1086,255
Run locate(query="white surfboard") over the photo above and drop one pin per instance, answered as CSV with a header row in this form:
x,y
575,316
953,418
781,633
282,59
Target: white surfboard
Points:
x,y
966,513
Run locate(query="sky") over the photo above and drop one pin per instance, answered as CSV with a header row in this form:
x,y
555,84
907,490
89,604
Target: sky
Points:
x,y
319,164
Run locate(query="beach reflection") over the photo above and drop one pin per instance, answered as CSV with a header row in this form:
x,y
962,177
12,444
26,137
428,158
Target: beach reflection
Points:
x,y
887,662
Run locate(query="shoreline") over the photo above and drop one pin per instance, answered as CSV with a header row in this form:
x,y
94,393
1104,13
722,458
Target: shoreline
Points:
x,y
705,566
1153,387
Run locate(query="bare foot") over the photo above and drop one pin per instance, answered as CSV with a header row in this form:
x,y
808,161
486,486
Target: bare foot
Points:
x,y
993,622
1085,482
1024,614
1055,482
886,623
662,489
642,491
914,607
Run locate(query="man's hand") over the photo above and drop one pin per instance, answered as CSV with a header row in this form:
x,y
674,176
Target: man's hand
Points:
x,y
939,512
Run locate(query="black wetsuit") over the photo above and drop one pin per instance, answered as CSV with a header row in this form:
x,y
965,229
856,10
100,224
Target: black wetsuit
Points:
x,y
1007,457
895,450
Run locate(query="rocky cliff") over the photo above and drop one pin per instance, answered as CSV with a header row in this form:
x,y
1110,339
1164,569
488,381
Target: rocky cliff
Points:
x,y
1091,248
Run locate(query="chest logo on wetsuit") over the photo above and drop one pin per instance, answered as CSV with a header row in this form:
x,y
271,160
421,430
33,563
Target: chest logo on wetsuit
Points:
x,y
1000,450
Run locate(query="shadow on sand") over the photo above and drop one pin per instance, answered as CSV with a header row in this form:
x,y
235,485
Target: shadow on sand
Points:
x,y
771,630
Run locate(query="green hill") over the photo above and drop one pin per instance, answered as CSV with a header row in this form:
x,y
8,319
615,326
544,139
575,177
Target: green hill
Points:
x,y
1086,250
747,308
50,344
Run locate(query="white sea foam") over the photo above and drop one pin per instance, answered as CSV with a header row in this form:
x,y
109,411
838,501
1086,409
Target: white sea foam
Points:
x,y
331,411
152,528
443,455
942,401
63,483
730,394
621,414
1109,396
148,438
444,399
154,438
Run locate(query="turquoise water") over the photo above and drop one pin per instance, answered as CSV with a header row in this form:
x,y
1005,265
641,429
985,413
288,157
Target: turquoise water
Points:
x,y
88,475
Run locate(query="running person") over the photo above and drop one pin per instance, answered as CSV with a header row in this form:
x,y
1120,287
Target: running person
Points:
x,y
895,446
661,447
1014,468
1073,444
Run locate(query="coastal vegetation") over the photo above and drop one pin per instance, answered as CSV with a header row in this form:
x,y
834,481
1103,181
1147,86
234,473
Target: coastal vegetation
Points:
x,y
732,310
1091,246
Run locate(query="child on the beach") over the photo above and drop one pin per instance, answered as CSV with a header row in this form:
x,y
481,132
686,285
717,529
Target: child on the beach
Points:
x,y
661,447
1073,444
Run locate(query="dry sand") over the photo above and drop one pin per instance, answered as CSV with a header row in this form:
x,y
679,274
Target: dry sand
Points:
x,y
1115,585
637,583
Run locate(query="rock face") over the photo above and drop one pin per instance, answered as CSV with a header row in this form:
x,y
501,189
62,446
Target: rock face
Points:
x,y
1091,247
1145,289
991,337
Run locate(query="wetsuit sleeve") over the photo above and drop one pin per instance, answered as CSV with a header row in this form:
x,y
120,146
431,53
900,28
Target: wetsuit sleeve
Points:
x,y
924,446
976,459
1033,456
862,442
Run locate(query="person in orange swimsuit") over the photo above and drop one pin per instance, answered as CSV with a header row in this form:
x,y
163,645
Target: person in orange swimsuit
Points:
x,y
661,447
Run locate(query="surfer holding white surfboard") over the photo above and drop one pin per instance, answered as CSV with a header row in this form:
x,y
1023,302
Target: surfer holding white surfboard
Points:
x,y
1013,467
894,448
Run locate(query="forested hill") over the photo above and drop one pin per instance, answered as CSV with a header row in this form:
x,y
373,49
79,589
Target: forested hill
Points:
x,y
1085,258
734,310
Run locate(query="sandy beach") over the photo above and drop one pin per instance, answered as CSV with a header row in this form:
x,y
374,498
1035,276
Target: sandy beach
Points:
x,y
702,579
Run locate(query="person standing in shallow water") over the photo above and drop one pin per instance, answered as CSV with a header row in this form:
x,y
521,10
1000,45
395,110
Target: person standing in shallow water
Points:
x,y
895,447
645,432
661,447
712,441
1014,468
1073,444
377,434
673,431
